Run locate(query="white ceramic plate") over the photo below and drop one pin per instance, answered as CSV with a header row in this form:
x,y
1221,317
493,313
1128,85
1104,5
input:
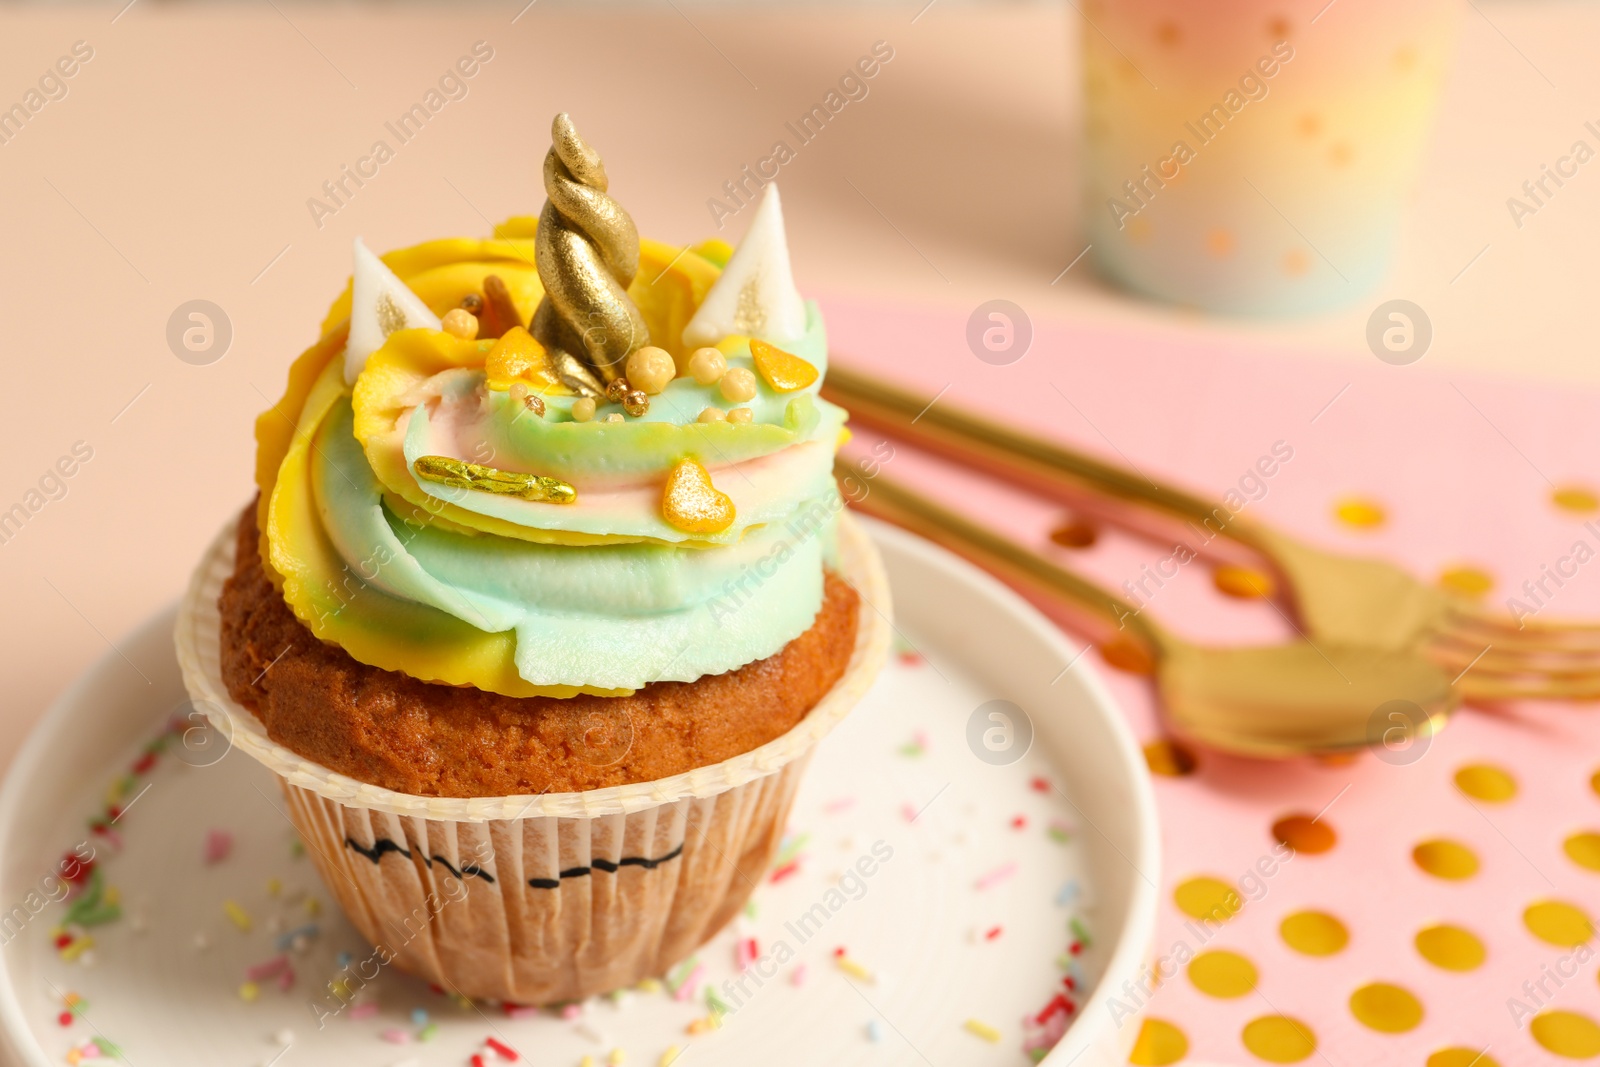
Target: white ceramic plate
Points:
x,y
966,920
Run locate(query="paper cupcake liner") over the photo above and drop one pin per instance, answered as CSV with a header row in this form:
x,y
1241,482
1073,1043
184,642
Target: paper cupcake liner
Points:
x,y
539,898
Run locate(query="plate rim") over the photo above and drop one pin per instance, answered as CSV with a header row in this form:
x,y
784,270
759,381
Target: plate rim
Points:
x,y
20,1043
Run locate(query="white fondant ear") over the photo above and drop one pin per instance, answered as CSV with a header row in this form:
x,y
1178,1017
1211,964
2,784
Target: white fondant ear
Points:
x,y
380,304
756,294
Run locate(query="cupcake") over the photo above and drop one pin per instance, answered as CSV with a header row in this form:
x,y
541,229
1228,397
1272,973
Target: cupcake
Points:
x,y
547,592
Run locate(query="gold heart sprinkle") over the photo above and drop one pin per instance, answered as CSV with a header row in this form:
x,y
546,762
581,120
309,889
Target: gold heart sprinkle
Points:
x,y
517,357
462,475
692,504
783,371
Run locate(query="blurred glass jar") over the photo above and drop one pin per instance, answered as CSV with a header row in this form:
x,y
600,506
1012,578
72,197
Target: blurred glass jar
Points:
x,y
1255,156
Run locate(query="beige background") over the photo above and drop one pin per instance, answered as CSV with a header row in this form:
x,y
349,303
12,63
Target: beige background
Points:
x,y
179,164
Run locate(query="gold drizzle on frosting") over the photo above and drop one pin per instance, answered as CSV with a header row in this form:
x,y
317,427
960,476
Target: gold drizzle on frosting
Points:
x,y
587,252
461,475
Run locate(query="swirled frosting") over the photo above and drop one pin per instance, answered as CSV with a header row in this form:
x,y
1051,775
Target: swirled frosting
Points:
x,y
524,597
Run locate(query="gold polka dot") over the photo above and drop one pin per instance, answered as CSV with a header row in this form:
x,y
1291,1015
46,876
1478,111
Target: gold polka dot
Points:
x,y
1222,974
1575,498
1359,513
1584,849
1243,583
1594,783
1159,1043
1341,154
1169,35
1310,124
1075,533
1126,654
1466,580
1557,922
1304,834
1405,58
1219,243
1204,897
1170,759
1277,29
1462,1057
1296,262
1138,230
1566,1033
1385,1008
1313,933
1445,859
1484,781
1279,1039
1450,947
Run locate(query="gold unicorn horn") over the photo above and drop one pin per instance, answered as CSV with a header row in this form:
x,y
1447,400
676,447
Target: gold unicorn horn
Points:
x,y
587,252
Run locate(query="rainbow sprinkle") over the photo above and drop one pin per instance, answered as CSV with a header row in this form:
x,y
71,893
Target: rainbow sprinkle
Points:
x,y
982,1029
853,969
1000,874
501,1049
219,843
77,948
690,985
297,938
95,904
676,980
789,849
237,915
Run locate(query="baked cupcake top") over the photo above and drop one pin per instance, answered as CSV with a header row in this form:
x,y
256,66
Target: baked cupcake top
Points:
x,y
561,459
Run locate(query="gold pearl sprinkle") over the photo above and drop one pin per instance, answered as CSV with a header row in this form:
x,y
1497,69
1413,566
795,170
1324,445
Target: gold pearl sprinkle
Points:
x,y
458,474
461,324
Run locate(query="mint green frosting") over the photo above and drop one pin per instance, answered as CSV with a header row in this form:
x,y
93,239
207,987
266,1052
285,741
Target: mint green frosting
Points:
x,y
598,453
611,616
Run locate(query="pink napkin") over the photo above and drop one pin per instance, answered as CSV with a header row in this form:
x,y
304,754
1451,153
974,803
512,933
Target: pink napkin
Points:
x,y
1465,469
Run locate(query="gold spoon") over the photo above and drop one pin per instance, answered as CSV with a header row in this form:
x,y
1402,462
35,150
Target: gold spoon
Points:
x,y
1266,701
1337,599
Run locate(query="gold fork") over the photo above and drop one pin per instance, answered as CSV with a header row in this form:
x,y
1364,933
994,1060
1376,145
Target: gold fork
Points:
x,y
1333,598
1266,701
